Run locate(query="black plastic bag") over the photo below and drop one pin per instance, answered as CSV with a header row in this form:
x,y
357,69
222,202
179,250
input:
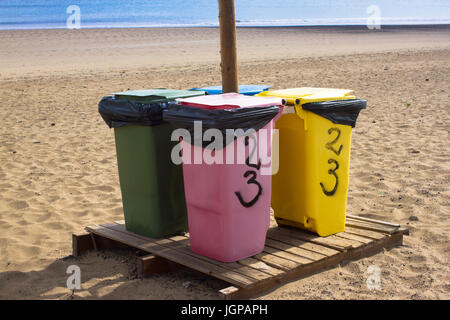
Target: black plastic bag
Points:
x,y
182,116
338,111
119,113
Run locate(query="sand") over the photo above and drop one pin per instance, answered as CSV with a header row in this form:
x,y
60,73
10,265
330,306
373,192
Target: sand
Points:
x,y
58,170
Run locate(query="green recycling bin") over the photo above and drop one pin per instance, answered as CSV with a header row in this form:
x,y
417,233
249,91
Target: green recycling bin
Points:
x,y
151,185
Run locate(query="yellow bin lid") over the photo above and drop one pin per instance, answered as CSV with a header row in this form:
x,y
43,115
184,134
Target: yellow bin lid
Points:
x,y
306,95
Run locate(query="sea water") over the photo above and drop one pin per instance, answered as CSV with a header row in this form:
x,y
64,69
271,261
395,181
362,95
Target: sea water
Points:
x,y
38,14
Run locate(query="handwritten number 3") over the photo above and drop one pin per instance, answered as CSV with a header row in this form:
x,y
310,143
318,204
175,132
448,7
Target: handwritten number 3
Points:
x,y
332,172
252,180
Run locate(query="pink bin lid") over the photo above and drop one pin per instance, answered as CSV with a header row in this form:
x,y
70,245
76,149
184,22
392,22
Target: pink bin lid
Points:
x,y
230,101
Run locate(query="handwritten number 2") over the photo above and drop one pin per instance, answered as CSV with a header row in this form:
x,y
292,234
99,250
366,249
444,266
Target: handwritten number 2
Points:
x,y
247,161
252,180
330,144
332,172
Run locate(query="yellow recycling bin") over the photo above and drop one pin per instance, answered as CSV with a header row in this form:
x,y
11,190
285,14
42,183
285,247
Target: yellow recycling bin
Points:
x,y
309,191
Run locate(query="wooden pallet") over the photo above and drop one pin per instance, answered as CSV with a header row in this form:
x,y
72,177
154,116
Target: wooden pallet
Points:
x,y
289,253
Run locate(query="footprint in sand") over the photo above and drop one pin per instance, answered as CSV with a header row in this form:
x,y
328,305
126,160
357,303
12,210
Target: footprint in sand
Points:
x,y
23,194
101,188
24,252
41,217
417,258
56,226
18,204
118,211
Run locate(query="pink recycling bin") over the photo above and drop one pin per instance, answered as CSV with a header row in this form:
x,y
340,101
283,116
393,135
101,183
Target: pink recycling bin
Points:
x,y
228,201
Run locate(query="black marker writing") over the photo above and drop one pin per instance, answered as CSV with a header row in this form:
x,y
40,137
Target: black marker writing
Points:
x,y
252,180
332,172
330,144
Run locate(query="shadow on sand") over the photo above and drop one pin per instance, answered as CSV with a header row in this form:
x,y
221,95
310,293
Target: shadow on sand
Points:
x,y
106,274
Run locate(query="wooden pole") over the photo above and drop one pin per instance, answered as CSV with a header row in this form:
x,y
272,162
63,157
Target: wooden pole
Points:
x,y
228,50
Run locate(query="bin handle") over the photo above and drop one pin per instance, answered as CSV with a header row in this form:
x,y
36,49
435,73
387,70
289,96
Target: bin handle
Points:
x,y
279,114
302,114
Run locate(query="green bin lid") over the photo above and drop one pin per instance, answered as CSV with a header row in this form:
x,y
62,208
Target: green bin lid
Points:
x,y
156,95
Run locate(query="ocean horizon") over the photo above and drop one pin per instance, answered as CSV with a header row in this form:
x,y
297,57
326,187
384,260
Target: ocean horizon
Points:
x,y
55,14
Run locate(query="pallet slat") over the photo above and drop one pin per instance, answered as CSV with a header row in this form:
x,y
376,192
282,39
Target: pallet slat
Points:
x,y
373,235
259,265
330,242
276,261
359,239
305,254
287,255
370,226
384,223
310,249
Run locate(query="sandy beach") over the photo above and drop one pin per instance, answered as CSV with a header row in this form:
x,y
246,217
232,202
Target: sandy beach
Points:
x,y
58,170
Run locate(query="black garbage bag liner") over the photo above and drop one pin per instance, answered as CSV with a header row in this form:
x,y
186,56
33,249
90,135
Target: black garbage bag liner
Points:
x,y
338,111
182,116
119,113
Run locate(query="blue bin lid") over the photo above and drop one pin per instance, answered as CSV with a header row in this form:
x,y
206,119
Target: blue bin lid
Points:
x,y
247,89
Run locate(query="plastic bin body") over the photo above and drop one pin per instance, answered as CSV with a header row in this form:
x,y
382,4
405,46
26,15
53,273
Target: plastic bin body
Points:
x,y
309,190
220,226
223,226
298,198
151,185
247,89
